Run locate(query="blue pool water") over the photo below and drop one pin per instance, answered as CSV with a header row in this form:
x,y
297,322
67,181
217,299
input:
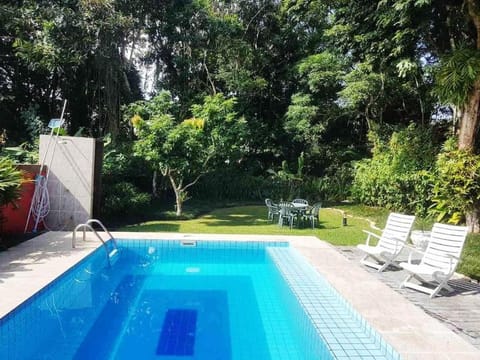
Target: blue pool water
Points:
x,y
218,300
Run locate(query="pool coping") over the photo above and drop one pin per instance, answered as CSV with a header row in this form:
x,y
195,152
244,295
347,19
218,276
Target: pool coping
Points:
x,y
32,265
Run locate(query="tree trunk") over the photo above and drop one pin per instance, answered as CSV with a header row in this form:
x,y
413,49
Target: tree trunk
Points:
x,y
472,219
179,203
154,184
469,123
467,137
177,189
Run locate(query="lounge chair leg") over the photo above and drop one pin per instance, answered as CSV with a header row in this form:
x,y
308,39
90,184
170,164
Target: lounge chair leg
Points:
x,y
448,287
436,291
383,267
364,258
443,281
404,283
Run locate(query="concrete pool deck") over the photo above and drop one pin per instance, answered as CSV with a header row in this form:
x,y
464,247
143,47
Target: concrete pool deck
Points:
x,y
405,325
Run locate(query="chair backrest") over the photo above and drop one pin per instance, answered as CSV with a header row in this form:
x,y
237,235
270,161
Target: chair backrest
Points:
x,y
268,202
444,240
396,232
285,208
316,209
300,201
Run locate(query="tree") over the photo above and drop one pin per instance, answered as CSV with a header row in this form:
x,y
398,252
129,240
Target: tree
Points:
x,y
67,49
406,39
185,150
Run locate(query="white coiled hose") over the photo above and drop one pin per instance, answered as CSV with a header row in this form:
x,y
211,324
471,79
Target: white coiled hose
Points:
x,y
40,200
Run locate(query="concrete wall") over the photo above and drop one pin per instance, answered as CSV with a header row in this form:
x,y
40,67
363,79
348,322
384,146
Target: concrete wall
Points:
x,y
71,180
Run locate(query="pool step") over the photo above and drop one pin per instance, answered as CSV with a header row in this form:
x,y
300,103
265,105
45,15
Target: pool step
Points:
x,y
113,256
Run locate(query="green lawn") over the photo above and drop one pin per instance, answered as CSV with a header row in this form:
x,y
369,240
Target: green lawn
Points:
x,y
252,219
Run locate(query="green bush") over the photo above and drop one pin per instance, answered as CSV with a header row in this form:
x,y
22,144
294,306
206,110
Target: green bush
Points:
x,y
25,153
469,264
229,184
457,184
10,182
124,198
233,185
120,164
399,175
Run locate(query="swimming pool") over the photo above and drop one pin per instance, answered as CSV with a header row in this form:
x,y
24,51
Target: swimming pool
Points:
x,y
215,300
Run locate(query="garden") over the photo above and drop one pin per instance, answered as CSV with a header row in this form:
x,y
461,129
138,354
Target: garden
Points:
x,y
205,108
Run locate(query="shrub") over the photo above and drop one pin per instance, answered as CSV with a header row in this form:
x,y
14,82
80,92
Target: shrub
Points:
x,y
25,153
10,182
124,198
469,264
399,176
230,184
457,185
120,164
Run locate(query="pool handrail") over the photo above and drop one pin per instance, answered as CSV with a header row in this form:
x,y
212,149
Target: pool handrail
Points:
x,y
88,226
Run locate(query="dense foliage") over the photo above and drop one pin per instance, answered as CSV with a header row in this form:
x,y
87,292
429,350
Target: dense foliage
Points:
x,y
126,190
10,182
398,176
457,186
316,80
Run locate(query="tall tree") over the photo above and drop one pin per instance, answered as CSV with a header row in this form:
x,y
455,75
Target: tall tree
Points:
x,y
396,34
73,50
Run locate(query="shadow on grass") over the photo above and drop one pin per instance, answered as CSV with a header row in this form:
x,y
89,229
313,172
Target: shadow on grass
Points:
x,y
243,220
233,220
158,227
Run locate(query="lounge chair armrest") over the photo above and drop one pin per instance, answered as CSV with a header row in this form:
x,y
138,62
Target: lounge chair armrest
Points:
x,y
370,234
451,270
413,250
387,255
452,266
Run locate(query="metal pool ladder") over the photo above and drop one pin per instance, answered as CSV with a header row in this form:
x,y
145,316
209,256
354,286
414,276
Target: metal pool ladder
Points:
x,y
88,226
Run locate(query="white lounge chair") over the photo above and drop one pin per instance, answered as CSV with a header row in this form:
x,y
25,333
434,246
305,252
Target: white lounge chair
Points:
x,y
439,260
390,243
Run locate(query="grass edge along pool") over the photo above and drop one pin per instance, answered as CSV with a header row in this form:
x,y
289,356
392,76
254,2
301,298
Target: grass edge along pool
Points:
x,y
322,312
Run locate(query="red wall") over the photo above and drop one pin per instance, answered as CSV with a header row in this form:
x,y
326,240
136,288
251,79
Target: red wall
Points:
x,y
15,217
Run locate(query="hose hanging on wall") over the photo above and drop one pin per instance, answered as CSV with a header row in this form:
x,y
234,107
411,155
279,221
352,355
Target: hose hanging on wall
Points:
x,y
40,205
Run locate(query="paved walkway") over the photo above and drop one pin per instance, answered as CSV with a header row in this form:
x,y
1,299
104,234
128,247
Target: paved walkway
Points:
x,y
460,310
